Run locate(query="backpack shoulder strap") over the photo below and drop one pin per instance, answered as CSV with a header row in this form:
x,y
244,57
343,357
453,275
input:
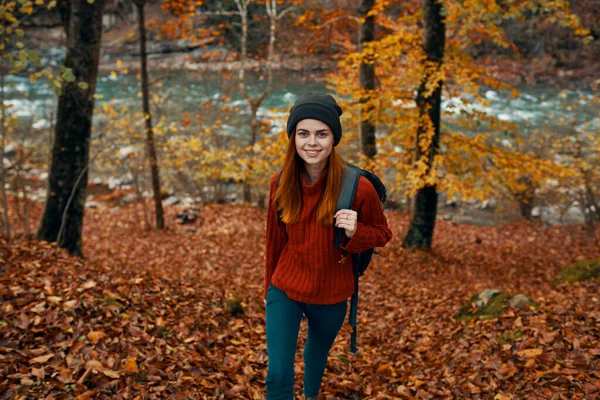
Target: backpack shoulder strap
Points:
x,y
346,197
345,200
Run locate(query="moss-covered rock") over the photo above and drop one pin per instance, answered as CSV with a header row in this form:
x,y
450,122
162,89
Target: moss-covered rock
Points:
x,y
234,306
491,303
519,300
580,271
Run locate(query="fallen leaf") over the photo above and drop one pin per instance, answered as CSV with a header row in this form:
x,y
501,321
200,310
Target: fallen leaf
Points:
x,y
41,359
111,374
95,336
89,395
530,363
87,285
131,365
38,372
530,352
94,365
70,304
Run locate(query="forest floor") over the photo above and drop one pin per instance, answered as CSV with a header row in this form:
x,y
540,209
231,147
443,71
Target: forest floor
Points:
x,y
145,314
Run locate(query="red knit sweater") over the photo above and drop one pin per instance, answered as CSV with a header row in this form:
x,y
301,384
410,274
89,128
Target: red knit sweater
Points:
x,y
301,259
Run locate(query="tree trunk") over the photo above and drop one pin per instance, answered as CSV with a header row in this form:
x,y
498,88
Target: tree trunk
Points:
x,y
71,145
25,200
526,197
5,220
160,219
254,104
253,108
420,232
367,81
140,198
589,206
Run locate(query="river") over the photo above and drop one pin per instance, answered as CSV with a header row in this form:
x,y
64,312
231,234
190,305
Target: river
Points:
x,y
187,90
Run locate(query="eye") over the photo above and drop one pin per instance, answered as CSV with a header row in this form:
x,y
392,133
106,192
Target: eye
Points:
x,y
323,134
303,134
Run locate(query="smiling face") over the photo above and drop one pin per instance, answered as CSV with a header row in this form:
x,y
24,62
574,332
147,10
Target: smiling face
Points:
x,y
314,142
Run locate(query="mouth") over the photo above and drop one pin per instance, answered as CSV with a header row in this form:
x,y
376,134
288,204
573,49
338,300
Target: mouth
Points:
x,y
312,153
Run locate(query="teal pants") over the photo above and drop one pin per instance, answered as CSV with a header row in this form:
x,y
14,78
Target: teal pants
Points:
x,y
283,324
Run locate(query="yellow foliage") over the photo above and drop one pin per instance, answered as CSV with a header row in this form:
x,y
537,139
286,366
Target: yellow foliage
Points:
x,y
470,164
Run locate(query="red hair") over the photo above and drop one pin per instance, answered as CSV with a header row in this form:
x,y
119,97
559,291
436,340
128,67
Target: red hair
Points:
x,y
288,196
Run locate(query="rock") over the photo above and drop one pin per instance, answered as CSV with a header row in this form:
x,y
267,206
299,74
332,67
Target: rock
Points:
x,y
188,201
188,216
488,204
41,124
580,271
519,301
451,204
124,152
485,296
234,306
230,198
92,204
491,303
191,229
128,198
172,200
120,182
487,304
9,150
113,182
536,213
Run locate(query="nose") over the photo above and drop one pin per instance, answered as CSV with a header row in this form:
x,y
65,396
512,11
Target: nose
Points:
x,y
312,141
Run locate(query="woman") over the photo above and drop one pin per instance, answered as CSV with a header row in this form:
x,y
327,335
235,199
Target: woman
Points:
x,y
305,274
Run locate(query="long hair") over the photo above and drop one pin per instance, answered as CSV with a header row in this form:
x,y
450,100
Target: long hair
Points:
x,y
288,196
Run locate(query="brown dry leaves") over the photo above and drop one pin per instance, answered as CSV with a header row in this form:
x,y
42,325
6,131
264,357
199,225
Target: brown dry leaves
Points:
x,y
144,315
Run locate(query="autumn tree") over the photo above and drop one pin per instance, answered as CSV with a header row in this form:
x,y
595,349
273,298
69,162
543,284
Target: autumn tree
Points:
x,y
410,57
246,14
18,58
429,98
577,149
13,59
62,219
150,147
367,80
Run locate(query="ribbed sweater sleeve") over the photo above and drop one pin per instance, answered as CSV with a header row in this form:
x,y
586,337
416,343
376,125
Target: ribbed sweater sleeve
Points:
x,y
276,236
372,228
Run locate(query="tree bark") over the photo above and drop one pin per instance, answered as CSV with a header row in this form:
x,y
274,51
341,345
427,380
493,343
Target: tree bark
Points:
x,y
70,150
367,81
526,197
160,219
5,220
420,232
